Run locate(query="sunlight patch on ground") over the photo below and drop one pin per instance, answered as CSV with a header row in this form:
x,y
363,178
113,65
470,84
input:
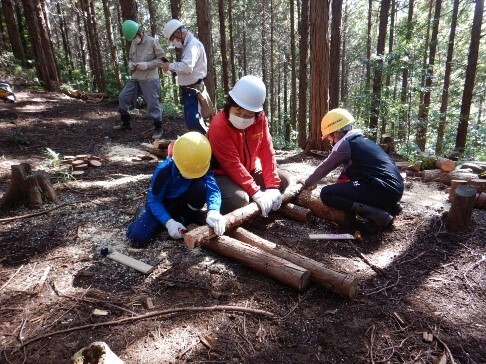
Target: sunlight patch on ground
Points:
x,y
83,185
386,255
120,153
161,346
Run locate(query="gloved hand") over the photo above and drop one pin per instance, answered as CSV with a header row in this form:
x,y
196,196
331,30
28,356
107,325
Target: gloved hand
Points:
x,y
141,66
264,201
276,197
216,221
175,229
131,65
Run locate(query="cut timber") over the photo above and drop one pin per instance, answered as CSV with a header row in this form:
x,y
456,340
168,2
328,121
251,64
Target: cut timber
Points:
x,y
331,237
161,153
343,284
131,262
94,163
79,167
459,215
454,184
77,173
32,188
311,200
478,184
480,202
161,143
195,237
438,175
271,265
295,212
414,174
445,164
416,167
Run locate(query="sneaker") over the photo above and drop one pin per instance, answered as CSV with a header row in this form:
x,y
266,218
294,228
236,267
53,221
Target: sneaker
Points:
x,y
157,133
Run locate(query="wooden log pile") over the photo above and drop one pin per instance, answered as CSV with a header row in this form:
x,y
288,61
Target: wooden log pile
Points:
x,y
158,147
278,262
81,163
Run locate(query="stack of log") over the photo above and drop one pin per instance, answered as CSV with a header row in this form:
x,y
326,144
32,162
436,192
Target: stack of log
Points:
x,y
81,162
158,147
275,261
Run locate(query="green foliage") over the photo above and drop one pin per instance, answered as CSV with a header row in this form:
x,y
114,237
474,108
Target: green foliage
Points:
x,y
53,156
172,110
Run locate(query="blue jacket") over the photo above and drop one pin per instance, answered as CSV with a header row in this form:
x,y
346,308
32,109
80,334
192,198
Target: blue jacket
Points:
x,y
168,183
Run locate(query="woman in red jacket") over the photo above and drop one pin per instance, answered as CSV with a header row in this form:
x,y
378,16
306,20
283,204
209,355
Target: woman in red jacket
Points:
x,y
244,164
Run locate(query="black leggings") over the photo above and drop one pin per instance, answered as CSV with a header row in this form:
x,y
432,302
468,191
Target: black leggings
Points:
x,y
342,195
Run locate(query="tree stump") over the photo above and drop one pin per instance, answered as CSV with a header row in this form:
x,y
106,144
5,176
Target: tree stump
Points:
x,y
454,184
459,215
32,188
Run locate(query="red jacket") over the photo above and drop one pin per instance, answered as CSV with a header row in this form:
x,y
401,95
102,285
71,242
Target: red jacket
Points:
x,y
240,152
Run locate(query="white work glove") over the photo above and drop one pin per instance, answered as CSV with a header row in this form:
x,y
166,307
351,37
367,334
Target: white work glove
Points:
x,y
141,66
276,197
264,201
216,221
175,229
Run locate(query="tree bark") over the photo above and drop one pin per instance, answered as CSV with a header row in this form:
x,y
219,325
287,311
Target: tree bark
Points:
x,y
197,236
459,215
472,61
319,60
298,213
253,257
223,47
335,53
341,283
438,175
8,8
303,56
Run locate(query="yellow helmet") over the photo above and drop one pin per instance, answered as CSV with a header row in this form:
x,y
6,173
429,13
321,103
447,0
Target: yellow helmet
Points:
x,y
192,154
334,120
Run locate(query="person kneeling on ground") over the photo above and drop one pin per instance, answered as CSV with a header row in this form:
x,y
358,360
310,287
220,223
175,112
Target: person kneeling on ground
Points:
x,y
180,186
244,162
370,184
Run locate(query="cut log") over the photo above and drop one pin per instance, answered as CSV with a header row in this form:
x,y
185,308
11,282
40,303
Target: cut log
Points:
x,y
195,237
459,215
77,173
161,153
343,284
480,202
271,265
28,187
161,143
416,167
454,184
94,163
445,164
478,184
438,175
77,162
311,200
79,167
414,174
295,212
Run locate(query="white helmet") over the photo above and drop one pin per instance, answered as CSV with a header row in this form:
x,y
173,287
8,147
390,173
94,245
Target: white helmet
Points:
x,y
249,93
171,26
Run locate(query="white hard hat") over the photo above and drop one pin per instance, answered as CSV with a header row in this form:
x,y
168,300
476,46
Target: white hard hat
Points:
x,y
171,26
249,93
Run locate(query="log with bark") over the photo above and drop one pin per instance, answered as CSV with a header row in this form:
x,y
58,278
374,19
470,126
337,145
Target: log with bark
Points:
x,y
269,264
445,164
295,212
311,200
480,202
32,188
344,284
438,175
460,213
195,237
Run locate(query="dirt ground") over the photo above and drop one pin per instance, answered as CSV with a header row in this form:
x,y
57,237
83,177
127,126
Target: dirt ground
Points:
x,y
424,301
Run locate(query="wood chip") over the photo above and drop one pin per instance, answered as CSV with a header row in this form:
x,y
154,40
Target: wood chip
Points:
x,y
77,173
79,167
331,237
427,336
149,303
100,312
94,163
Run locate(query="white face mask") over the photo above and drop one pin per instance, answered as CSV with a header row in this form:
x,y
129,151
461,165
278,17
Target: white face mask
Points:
x,y
137,40
239,122
176,43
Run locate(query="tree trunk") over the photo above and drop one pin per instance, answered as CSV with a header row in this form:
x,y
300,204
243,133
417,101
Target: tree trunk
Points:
x,y
8,9
232,44
472,61
343,284
153,17
460,213
28,187
224,55
111,43
319,80
293,65
378,70
444,102
204,35
423,114
335,52
303,56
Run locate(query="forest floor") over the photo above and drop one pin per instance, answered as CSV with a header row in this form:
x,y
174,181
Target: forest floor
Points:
x,y
424,302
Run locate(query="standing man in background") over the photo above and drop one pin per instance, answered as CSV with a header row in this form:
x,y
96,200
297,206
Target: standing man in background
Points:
x,y
191,71
144,60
